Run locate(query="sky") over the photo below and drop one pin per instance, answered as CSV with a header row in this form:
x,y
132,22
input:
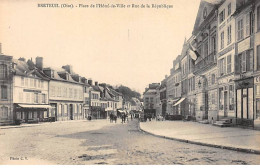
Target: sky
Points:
x,y
132,47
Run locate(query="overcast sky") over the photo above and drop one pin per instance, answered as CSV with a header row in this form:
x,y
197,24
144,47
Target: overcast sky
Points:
x,y
133,47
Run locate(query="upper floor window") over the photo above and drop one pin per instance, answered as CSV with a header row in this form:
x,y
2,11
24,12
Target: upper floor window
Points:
x,y
3,71
222,40
205,49
229,34
213,43
4,112
222,16
3,92
229,9
22,81
213,79
240,33
229,64
258,18
258,57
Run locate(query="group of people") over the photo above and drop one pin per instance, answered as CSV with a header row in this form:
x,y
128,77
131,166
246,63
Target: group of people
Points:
x,y
113,118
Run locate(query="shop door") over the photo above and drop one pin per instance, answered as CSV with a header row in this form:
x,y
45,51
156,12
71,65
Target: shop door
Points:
x,y
225,105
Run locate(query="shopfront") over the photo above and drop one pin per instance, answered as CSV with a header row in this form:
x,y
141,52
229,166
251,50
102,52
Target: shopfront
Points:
x,y
245,102
257,102
31,112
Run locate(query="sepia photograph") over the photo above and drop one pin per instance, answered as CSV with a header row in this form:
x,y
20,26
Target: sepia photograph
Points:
x,y
129,82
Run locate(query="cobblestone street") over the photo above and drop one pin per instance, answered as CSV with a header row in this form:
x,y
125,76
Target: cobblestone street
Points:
x,y
101,142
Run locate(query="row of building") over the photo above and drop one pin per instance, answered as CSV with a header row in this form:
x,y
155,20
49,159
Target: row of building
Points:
x,y
217,74
31,92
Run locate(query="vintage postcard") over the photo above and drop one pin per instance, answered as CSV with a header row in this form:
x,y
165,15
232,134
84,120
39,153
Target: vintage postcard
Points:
x,y
129,82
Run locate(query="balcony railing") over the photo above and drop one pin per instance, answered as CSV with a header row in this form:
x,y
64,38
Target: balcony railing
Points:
x,y
206,62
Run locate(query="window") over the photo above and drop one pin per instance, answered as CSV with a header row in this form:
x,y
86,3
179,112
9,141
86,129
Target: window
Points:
x,y
258,57
248,24
36,98
222,40
40,98
4,111
240,34
21,96
222,67
229,34
213,43
213,79
27,97
3,71
231,97
26,81
221,101
34,83
22,81
229,64
39,83
249,60
70,92
243,62
258,18
229,9
222,16
3,92
59,91
31,82
32,97
44,98
205,49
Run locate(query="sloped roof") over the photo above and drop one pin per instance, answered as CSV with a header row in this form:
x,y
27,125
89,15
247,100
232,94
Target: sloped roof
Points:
x,y
22,69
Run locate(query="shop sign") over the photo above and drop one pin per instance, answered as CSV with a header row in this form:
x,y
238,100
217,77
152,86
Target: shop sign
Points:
x,y
28,90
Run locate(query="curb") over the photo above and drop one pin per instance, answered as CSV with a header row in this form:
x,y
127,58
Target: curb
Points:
x,y
252,151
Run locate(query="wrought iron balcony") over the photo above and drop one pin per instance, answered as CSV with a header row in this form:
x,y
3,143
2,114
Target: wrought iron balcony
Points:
x,y
206,62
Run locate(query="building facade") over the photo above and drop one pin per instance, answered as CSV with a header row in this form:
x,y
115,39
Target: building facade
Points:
x,y
6,84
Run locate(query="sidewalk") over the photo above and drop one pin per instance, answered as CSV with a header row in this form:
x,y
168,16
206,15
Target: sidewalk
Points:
x,y
244,140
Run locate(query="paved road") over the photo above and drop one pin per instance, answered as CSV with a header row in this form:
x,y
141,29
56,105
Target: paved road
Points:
x,y
100,142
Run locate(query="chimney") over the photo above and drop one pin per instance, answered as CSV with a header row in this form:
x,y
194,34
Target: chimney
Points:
x,y
96,83
39,63
68,68
90,82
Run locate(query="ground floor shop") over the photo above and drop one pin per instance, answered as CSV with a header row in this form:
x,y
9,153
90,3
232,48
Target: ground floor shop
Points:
x,y
31,113
245,102
226,102
257,102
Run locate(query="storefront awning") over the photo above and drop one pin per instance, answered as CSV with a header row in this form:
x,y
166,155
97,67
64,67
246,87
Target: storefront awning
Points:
x,y
179,101
34,106
121,111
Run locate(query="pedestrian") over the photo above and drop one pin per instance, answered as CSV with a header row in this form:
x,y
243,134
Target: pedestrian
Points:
x,y
122,117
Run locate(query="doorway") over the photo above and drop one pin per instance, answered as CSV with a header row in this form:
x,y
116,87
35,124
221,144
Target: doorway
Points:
x,y
71,111
225,104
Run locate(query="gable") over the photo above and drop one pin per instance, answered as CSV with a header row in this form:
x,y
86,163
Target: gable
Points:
x,y
205,9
